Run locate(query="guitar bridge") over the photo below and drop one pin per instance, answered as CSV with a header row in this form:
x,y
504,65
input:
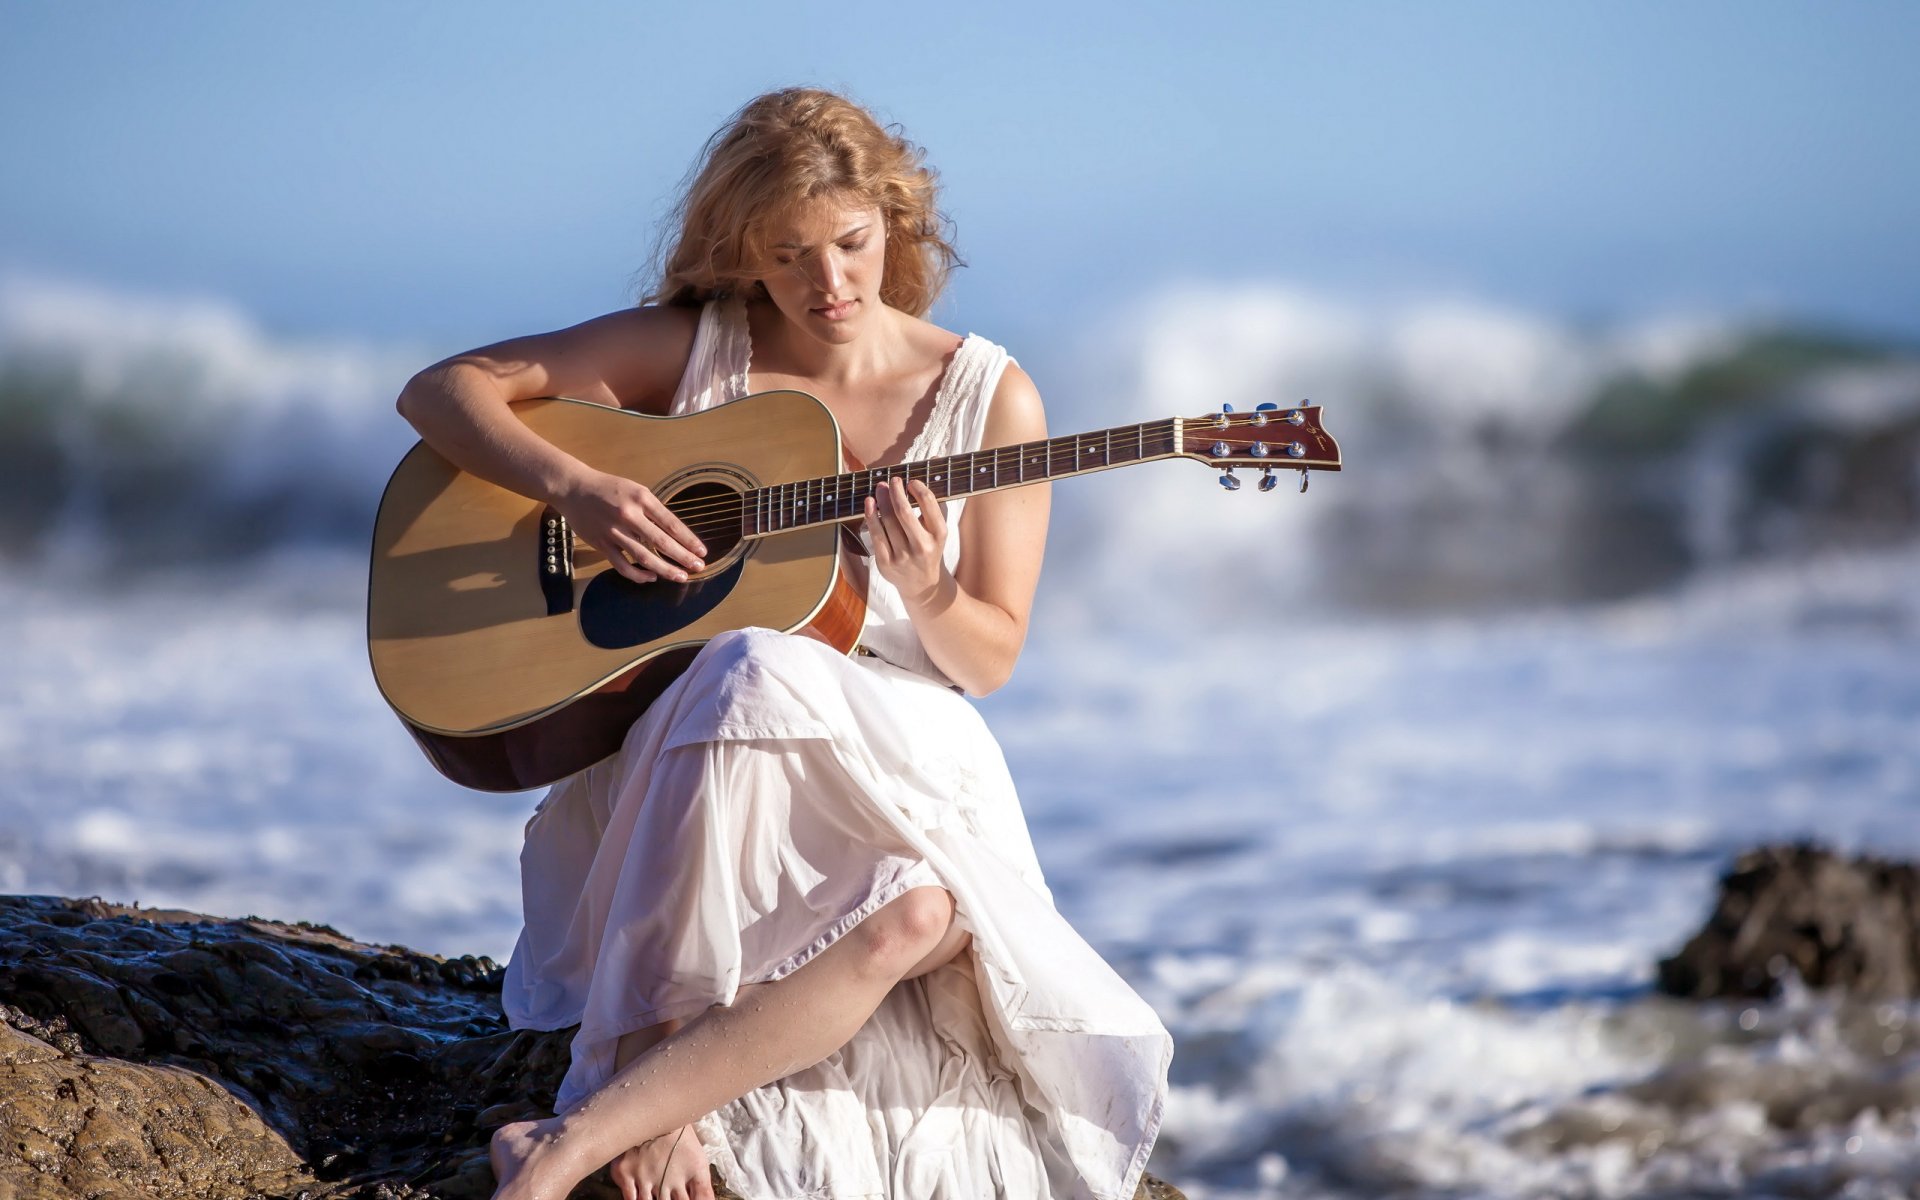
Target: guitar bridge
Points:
x,y
556,562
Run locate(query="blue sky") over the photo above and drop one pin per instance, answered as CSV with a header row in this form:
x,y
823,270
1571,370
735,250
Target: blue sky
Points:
x,y
451,173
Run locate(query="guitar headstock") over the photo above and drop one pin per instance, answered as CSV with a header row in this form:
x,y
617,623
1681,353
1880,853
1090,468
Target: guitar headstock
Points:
x,y
1270,437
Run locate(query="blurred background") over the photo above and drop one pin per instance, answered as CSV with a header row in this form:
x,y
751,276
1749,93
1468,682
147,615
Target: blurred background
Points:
x,y
1388,796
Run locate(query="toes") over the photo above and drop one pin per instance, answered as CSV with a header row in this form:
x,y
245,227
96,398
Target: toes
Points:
x,y
625,1176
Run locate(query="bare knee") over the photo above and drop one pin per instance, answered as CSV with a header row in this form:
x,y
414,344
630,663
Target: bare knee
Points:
x,y
901,933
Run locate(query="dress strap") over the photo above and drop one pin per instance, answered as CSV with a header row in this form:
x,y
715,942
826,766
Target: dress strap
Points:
x,y
716,370
733,349
959,417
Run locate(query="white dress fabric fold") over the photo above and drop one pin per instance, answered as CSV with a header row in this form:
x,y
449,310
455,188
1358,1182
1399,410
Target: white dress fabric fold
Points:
x,y
776,795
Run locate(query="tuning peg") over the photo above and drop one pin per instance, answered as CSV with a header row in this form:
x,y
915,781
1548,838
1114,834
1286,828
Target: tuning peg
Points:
x,y
1267,481
1226,408
1227,480
1267,406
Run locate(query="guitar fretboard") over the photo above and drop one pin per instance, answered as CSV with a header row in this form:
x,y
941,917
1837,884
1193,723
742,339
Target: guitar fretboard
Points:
x,y
780,507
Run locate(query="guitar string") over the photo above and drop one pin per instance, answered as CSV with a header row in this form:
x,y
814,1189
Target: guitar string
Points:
x,y
720,516
715,519
920,469
1055,448
732,521
1057,456
731,510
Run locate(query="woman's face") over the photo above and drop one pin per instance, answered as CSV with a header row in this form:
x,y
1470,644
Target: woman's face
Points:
x,y
827,265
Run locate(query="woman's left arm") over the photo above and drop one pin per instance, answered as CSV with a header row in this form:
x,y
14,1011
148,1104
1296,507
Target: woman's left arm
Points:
x,y
973,623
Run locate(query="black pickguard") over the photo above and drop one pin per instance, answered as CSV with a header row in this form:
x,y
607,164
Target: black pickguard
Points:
x,y
616,612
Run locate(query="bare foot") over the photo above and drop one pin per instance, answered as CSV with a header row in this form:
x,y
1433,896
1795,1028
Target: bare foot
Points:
x,y
523,1155
672,1166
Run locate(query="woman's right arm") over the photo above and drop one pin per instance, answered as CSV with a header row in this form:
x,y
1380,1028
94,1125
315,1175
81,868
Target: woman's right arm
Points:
x,y
632,359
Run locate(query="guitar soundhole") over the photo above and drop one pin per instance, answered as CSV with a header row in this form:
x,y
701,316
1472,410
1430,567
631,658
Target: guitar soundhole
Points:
x,y
712,511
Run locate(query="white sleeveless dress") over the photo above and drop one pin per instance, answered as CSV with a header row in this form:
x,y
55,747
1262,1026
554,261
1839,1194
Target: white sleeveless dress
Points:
x,y
774,796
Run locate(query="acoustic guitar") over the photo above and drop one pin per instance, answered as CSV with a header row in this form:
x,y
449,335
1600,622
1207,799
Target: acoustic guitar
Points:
x,y
516,657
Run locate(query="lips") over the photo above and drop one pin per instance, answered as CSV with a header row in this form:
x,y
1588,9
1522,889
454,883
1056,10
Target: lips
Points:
x,y
833,312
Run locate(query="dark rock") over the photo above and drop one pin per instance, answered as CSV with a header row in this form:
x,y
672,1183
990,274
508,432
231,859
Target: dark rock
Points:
x,y
172,1054
1852,924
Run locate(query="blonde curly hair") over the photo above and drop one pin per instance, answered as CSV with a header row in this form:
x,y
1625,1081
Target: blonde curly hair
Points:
x,y
779,152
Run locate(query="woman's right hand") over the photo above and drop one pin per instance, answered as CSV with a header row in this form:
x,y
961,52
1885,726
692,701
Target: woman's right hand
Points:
x,y
625,521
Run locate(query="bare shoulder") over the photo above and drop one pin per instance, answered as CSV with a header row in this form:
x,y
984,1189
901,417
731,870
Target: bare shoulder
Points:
x,y
631,358
931,343
1015,413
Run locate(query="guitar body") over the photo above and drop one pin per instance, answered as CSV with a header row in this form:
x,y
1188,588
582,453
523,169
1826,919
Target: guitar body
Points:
x,y
516,660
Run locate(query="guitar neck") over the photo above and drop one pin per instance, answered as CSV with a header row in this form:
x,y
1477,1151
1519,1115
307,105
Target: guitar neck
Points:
x,y
782,507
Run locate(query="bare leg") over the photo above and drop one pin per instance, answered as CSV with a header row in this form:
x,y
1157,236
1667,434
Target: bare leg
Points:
x,y
673,1164
770,1030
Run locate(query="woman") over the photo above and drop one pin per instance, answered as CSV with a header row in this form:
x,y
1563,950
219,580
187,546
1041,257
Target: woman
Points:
x,y
798,916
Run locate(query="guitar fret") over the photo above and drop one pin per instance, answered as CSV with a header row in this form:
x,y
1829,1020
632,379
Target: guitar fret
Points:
x,y
775,508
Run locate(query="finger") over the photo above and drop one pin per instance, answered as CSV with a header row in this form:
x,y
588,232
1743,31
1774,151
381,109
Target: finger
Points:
x,y
702,1188
610,550
898,517
663,546
642,555
877,536
913,535
678,540
677,1193
932,515
648,559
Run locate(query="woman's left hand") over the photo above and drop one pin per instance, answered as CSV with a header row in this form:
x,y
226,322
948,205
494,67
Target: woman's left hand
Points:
x,y
907,546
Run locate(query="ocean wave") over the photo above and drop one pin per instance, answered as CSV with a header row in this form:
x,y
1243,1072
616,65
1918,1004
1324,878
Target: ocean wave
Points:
x,y
1493,457
146,429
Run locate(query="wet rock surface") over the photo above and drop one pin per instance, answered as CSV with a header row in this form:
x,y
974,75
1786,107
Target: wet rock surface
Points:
x,y
172,1054
1845,923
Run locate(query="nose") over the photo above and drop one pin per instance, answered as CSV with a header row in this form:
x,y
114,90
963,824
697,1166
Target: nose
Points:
x,y
829,271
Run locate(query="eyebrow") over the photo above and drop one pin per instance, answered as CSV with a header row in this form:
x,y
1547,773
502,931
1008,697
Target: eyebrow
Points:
x,y
843,237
